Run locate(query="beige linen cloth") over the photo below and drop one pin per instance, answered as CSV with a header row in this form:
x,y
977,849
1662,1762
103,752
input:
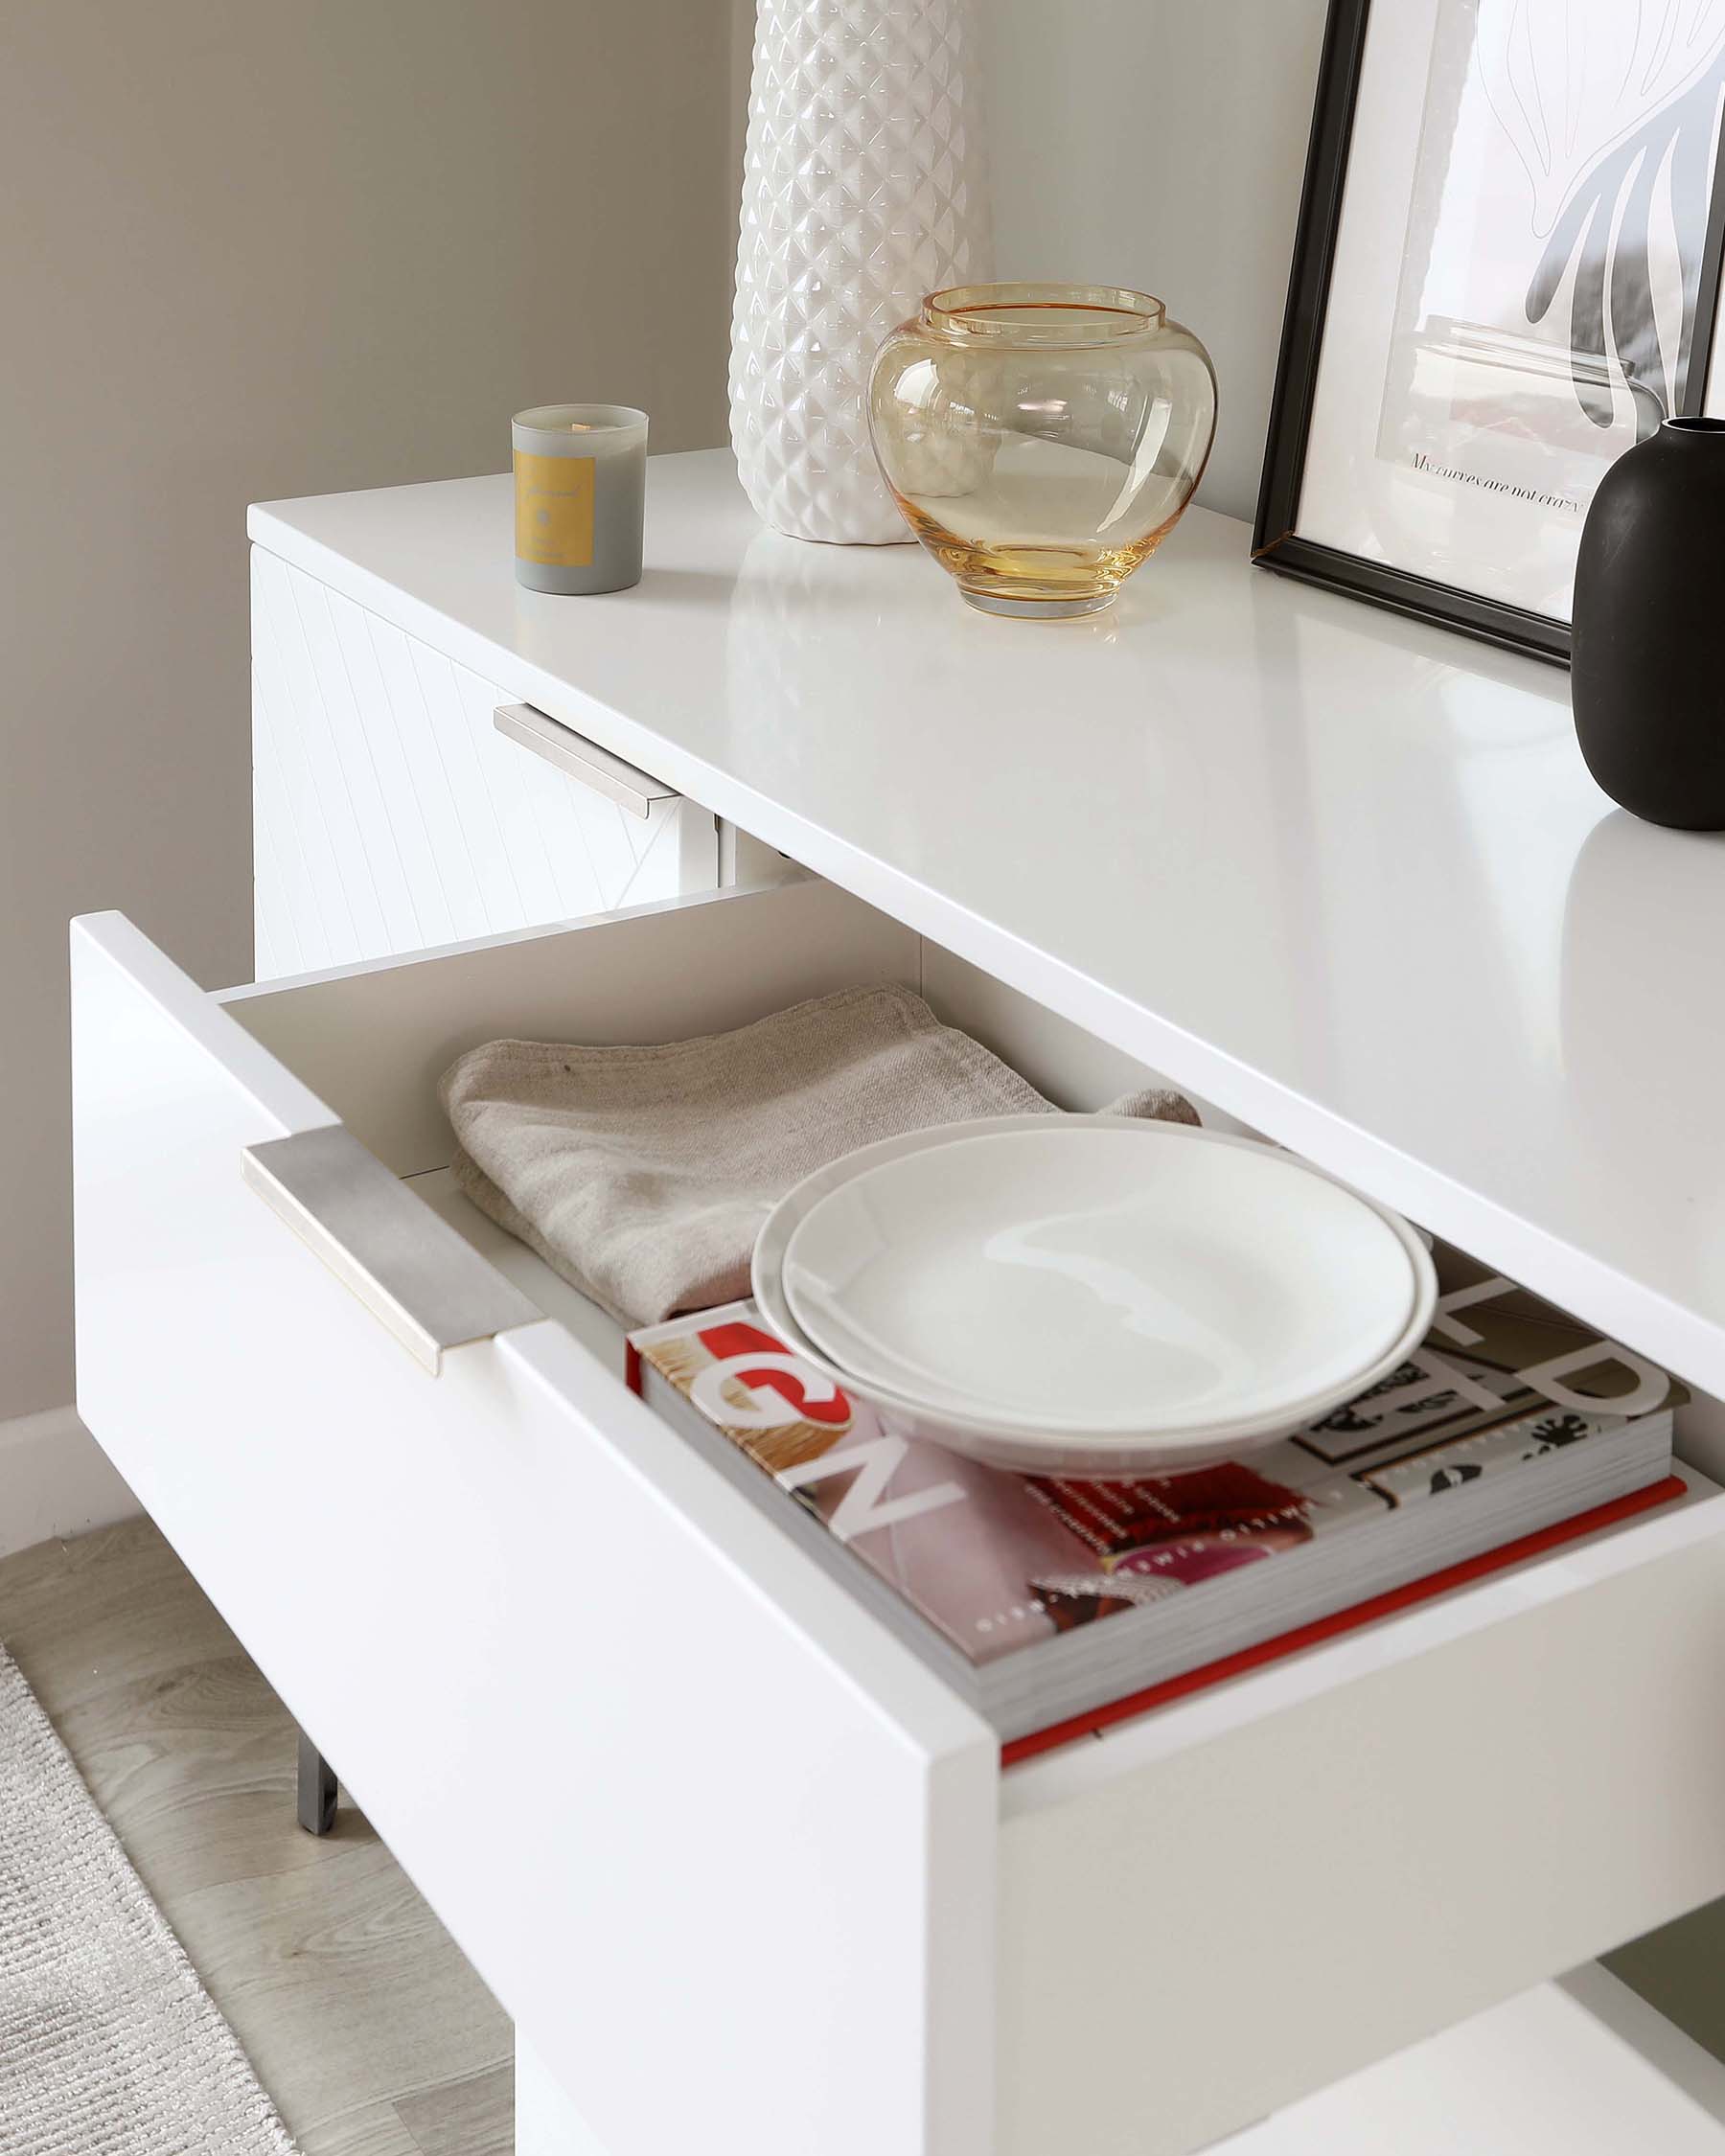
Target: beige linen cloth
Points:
x,y
644,1175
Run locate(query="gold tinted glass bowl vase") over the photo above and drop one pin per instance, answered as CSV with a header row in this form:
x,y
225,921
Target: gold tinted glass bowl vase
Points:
x,y
1041,439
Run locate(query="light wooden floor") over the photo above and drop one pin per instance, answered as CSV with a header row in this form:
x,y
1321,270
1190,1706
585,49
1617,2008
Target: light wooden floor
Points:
x,y
361,2015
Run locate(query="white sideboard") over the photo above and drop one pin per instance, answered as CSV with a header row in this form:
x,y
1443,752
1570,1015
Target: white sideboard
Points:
x,y
754,1878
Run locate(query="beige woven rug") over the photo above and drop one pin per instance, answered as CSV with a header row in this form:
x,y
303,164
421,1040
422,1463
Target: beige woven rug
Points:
x,y
109,2046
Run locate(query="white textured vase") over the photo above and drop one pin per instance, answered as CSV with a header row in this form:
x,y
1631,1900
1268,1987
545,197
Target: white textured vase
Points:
x,y
864,189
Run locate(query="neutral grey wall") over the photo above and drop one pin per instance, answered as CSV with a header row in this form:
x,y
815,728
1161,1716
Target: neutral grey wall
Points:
x,y
269,247
1159,144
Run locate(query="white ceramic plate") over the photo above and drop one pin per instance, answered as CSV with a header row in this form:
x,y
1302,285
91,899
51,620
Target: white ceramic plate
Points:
x,y
1074,1275
1247,1342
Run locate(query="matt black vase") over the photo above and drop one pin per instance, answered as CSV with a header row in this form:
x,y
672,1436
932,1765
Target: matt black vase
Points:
x,y
1648,674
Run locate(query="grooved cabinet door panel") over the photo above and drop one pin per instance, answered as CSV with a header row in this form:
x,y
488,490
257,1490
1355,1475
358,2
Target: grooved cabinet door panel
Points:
x,y
389,815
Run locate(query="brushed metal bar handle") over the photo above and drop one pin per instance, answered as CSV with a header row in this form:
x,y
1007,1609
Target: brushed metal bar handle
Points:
x,y
581,759
410,1269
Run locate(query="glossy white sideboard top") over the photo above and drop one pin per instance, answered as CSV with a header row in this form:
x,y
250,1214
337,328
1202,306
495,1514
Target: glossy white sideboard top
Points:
x,y
1345,875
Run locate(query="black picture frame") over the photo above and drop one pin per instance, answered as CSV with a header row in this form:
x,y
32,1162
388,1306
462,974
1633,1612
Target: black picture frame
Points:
x,y
1276,544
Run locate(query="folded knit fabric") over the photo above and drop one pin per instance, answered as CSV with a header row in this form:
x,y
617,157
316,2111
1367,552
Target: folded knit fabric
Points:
x,y
643,1174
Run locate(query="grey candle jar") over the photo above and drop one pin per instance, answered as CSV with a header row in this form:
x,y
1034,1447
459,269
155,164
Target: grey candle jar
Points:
x,y
580,490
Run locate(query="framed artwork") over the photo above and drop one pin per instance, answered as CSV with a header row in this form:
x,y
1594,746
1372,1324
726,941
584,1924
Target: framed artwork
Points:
x,y
1506,273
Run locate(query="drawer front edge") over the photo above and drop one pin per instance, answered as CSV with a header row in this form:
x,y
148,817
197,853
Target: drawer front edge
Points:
x,y
1316,1888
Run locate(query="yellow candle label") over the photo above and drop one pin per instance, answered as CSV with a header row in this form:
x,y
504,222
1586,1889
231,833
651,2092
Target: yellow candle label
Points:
x,y
554,509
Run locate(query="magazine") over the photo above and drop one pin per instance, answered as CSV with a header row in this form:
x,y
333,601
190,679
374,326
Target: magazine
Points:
x,y
1038,1593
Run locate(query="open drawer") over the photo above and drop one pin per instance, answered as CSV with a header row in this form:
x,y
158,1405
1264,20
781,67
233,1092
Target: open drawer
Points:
x,y
745,1873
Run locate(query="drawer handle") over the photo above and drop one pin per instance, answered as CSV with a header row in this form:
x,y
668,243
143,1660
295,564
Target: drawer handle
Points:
x,y
584,760
410,1269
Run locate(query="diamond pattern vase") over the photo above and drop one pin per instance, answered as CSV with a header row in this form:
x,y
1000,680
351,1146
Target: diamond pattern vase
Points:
x,y
864,189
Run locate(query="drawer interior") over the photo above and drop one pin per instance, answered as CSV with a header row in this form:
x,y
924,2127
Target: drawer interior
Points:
x,y
371,1040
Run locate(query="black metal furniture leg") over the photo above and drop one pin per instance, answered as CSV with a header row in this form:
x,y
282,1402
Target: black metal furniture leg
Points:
x,y
316,1788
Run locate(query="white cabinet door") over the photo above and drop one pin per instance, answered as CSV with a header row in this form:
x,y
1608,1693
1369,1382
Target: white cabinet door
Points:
x,y
390,813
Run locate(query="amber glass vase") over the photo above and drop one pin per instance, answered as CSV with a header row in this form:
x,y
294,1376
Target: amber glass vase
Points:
x,y
1041,439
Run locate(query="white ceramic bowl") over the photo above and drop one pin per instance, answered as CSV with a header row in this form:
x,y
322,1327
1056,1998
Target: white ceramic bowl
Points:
x,y
1219,1332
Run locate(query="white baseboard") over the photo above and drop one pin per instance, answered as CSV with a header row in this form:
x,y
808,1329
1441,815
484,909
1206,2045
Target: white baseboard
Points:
x,y
55,1480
